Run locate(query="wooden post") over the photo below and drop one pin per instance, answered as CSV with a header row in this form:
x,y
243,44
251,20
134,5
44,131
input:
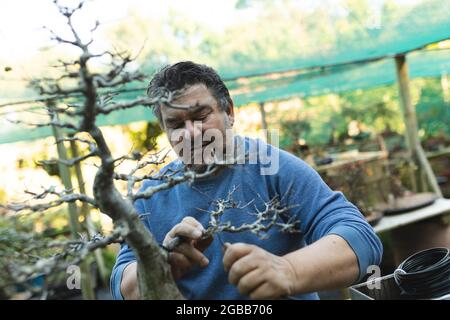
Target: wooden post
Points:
x,y
87,289
264,126
445,86
86,214
67,182
409,113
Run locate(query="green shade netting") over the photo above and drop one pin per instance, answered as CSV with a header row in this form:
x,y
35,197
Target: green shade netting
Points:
x,y
352,64
426,22
330,80
339,79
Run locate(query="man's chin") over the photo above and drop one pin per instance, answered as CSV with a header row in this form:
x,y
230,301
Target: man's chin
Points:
x,y
198,168
200,165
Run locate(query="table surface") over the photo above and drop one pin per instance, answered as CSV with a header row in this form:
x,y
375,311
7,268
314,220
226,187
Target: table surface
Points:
x,y
439,207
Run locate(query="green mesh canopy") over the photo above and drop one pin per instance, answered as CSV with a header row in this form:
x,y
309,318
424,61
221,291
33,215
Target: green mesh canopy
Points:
x,y
425,23
357,63
339,79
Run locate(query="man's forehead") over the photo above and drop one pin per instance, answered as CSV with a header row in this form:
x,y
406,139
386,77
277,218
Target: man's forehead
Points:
x,y
190,109
191,93
192,99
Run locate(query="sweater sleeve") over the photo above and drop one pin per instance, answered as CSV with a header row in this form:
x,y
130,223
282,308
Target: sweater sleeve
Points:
x,y
322,211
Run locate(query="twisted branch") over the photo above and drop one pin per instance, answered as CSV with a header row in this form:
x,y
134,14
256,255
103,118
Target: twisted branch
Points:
x,y
270,217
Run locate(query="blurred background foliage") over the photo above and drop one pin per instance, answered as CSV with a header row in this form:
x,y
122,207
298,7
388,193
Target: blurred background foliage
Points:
x,y
283,30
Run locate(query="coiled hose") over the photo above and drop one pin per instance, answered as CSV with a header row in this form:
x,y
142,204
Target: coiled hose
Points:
x,y
425,275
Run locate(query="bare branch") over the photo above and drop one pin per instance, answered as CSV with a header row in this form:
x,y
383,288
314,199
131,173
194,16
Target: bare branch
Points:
x,y
67,75
265,219
44,193
188,175
56,37
72,252
154,159
119,63
126,77
127,105
68,12
91,143
69,162
51,86
66,64
59,124
63,198
97,24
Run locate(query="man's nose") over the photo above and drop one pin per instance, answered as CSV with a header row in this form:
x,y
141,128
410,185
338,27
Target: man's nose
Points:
x,y
192,129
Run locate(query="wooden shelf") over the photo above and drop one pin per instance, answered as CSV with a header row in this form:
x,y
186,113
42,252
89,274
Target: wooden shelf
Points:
x,y
434,154
347,158
439,207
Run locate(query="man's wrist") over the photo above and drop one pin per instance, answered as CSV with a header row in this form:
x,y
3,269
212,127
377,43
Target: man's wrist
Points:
x,y
300,279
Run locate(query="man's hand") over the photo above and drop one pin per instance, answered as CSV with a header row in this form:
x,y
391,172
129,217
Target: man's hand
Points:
x,y
258,273
189,252
185,256
327,264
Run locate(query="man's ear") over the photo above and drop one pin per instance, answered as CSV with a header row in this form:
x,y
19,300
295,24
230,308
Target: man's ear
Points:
x,y
230,113
161,120
161,125
163,128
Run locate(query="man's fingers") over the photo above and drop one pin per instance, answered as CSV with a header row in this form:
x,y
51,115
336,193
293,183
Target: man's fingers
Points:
x,y
187,230
183,230
262,292
185,256
193,222
250,282
241,267
234,252
194,255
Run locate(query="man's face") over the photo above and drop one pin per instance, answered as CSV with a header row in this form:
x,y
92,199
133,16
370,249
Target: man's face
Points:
x,y
194,129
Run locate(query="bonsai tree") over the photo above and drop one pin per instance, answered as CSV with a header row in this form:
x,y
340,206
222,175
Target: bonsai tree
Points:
x,y
76,122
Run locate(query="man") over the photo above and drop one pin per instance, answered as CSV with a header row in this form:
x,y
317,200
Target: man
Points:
x,y
333,249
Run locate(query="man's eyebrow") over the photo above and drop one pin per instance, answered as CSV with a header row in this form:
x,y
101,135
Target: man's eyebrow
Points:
x,y
200,107
172,120
195,109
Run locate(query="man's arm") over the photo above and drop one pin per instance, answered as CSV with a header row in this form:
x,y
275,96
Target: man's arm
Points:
x,y
124,259
327,264
129,286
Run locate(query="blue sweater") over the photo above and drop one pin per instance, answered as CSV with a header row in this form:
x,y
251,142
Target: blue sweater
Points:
x,y
320,211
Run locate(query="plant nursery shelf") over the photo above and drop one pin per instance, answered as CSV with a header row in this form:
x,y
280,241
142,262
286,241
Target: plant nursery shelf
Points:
x,y
440,207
